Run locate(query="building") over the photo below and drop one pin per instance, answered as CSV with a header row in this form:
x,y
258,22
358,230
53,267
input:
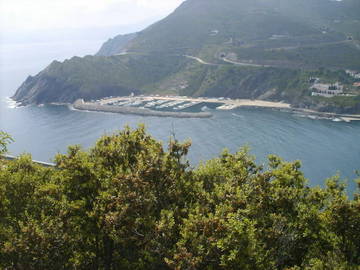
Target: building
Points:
x,y
214,32
327,90
357,84
314,80
352,73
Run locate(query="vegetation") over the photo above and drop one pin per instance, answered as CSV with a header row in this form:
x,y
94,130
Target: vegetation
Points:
x,y
129,204
116,45
94,77
5,139
290,37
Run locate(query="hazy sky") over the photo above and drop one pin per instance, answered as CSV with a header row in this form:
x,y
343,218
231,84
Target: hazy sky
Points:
x,y
24,15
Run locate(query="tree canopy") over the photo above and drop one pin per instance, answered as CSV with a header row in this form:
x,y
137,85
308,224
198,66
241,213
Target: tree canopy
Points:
x,y
128,203
5,139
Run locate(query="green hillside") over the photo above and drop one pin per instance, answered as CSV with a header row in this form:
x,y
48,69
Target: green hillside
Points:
x,y
258,49
116,45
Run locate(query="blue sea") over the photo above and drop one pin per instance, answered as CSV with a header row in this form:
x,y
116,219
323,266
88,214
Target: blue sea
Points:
x,y
325,148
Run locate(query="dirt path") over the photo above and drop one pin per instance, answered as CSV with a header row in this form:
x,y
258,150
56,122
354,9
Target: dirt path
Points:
x,y
309,45
200,60
244,64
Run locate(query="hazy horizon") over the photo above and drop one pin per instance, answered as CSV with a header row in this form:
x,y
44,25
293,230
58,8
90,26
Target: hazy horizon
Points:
x,y
42,21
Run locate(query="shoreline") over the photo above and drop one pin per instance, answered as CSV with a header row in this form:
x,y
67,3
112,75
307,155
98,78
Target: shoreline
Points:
x,y
227,104
344,117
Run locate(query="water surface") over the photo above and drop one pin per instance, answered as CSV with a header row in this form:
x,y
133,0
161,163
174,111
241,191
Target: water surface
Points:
x,y
324,147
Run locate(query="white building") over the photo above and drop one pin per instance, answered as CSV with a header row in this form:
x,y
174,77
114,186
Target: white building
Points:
x,y
327,90
353,73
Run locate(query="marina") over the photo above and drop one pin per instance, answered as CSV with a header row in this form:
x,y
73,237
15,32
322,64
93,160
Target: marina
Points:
x,y
179,103
197,107
141,111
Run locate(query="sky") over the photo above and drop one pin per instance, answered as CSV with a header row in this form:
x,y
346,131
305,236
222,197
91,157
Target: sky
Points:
x,y
43,15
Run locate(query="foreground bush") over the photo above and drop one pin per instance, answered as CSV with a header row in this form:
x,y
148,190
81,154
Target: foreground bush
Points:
x,y
129,204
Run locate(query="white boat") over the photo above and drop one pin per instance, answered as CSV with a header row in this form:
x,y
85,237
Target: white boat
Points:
x,y
205,108
161,101
164,105
187,105
227,107
136,103
170,104
121,103
337,120
150,104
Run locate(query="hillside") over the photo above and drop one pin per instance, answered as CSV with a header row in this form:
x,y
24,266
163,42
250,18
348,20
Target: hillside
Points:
x,y
116,45
256,49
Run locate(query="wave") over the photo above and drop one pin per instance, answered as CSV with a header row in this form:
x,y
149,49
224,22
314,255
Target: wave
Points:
x,y
316,117
11,104
237,115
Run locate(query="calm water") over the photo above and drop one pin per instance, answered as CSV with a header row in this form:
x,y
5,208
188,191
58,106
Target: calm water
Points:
x,y
325,147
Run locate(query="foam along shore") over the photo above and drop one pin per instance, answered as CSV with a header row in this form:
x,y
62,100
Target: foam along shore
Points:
x,y
101,107
334,116
11,104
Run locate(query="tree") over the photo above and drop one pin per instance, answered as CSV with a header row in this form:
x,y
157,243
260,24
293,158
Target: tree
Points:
x,y
5,139
128,203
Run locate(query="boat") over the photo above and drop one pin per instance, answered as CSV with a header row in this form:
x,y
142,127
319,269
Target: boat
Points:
x,y
337,120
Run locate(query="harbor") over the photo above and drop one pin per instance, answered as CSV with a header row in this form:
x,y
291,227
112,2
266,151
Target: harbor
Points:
x,y
170,106
180,103
192,107
130,108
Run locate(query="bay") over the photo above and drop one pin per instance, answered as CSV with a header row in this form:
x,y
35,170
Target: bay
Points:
x,y
324,147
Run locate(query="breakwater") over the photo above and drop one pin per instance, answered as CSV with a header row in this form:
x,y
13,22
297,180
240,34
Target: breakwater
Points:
x,y
86,106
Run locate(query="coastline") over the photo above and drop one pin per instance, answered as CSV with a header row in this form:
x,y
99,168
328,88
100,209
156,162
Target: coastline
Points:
x,y
344,117
11,104
227,104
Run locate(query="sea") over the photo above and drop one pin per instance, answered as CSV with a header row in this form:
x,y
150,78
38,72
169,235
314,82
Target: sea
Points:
x,y
325,148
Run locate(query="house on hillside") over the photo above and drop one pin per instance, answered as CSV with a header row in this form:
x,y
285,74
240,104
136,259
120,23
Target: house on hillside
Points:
x,y
327,90
353,73
214,32
314,80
